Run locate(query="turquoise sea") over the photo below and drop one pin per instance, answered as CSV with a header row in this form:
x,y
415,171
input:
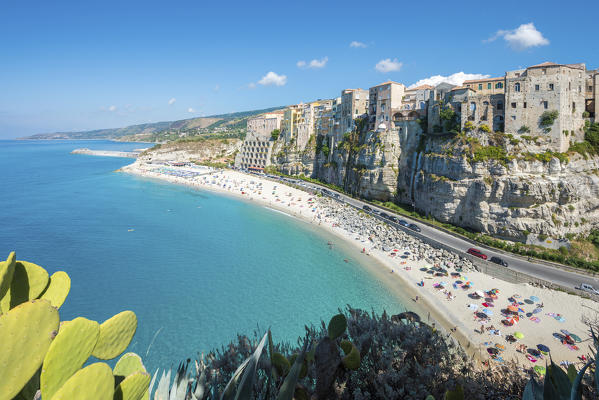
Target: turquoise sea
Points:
x,y
197,267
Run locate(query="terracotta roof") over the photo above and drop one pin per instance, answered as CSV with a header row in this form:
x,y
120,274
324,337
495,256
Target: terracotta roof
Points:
x,y
552,64
386,83
421,87
484,80
462,87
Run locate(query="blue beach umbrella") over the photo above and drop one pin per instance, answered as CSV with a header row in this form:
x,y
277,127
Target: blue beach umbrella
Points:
x,y
543,348
535,298
488,312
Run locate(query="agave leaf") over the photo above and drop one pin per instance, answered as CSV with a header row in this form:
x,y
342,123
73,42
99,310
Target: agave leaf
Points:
x,y
246,386
180,383
561,381
163,386
549,390
576,392
533,390
151,387
288,387
572,372
229,392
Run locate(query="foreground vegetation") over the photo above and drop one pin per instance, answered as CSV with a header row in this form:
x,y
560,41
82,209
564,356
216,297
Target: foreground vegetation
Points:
x,y
358,355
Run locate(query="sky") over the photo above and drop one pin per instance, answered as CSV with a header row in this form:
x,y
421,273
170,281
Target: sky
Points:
x,y
78,65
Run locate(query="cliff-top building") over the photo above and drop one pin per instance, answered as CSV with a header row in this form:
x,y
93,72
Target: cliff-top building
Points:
x,y
354,103
256,149
534,95
384,100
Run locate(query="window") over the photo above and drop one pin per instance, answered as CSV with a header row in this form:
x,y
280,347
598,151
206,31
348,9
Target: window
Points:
x,y
544,71
516,87
590,88
524,105
551,86
489,85
537,87
480,86
573,106
499,85
513,117
579,89
545,104
500,105
513,105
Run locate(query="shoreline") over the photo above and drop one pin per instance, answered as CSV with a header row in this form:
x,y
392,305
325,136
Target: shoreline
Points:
x,y
402,281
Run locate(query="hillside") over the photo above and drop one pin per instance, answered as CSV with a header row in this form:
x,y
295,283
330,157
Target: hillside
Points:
x,y
232,123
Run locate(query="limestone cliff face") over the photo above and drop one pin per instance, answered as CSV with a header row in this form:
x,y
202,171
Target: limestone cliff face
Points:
x,y
505,199
550,198
206,150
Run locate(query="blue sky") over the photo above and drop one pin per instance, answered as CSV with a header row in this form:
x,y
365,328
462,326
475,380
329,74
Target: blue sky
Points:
x,y
84,65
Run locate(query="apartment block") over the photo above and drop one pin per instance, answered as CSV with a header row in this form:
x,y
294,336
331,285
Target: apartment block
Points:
x,y
354,103
256,149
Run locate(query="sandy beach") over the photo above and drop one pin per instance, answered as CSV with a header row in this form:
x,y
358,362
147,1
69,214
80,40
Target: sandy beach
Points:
x,y
434,281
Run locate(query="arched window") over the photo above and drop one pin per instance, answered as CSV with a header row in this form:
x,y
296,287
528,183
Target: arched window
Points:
x,y
516,87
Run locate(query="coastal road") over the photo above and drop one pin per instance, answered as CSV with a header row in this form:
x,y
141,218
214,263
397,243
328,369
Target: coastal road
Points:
x,y
542,271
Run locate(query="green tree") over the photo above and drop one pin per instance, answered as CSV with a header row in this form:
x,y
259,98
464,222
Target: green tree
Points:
x,y
275,134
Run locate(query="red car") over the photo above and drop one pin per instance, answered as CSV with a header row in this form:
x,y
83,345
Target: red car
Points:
x,y
477,253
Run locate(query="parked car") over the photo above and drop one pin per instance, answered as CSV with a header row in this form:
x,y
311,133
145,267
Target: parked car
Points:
x,y
477,253
366,208
377,212
394,219
384,215
414,227
498,260
403,222
587,288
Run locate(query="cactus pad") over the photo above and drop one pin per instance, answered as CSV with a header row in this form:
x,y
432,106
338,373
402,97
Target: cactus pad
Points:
x,y
58,289
133,387
352,355
67,353
28,282
128,364
6,271
26,333
337,325
115,335
94,382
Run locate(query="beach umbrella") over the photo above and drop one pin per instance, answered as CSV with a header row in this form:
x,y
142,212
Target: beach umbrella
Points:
x,y
488,312
500,346
520,310
512,308
565,332
535,298
537,310
473,306
543,348
519,335
560,319
576,338
479,293
443,283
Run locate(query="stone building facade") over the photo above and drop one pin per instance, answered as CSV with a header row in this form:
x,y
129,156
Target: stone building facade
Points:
x,y
592,94
384,100
255,152
354,103
546,87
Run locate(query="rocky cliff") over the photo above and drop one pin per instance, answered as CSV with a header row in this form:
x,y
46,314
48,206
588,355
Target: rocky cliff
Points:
x,y
486,182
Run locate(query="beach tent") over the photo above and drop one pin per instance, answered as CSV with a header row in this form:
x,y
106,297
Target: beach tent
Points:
x,y
519,335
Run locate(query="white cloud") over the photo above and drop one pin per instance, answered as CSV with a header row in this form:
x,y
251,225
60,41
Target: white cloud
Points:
x,y
521,38
388,65
191,110
172,101
272,78
252,85
355,43
455,79
112,108
313,64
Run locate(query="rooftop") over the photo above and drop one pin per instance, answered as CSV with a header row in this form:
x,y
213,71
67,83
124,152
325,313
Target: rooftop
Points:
x,y
421,87
552,64
387,83
484,80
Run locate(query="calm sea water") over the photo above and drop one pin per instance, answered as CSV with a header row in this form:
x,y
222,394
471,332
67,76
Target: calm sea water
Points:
x,y
197,267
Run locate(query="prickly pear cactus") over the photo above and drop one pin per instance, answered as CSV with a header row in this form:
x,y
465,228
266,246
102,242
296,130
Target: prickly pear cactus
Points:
x,y
94,382
67,353
352,355
133,387
26,333
28,282
128,364
337,325
7,269
115,335
58,289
